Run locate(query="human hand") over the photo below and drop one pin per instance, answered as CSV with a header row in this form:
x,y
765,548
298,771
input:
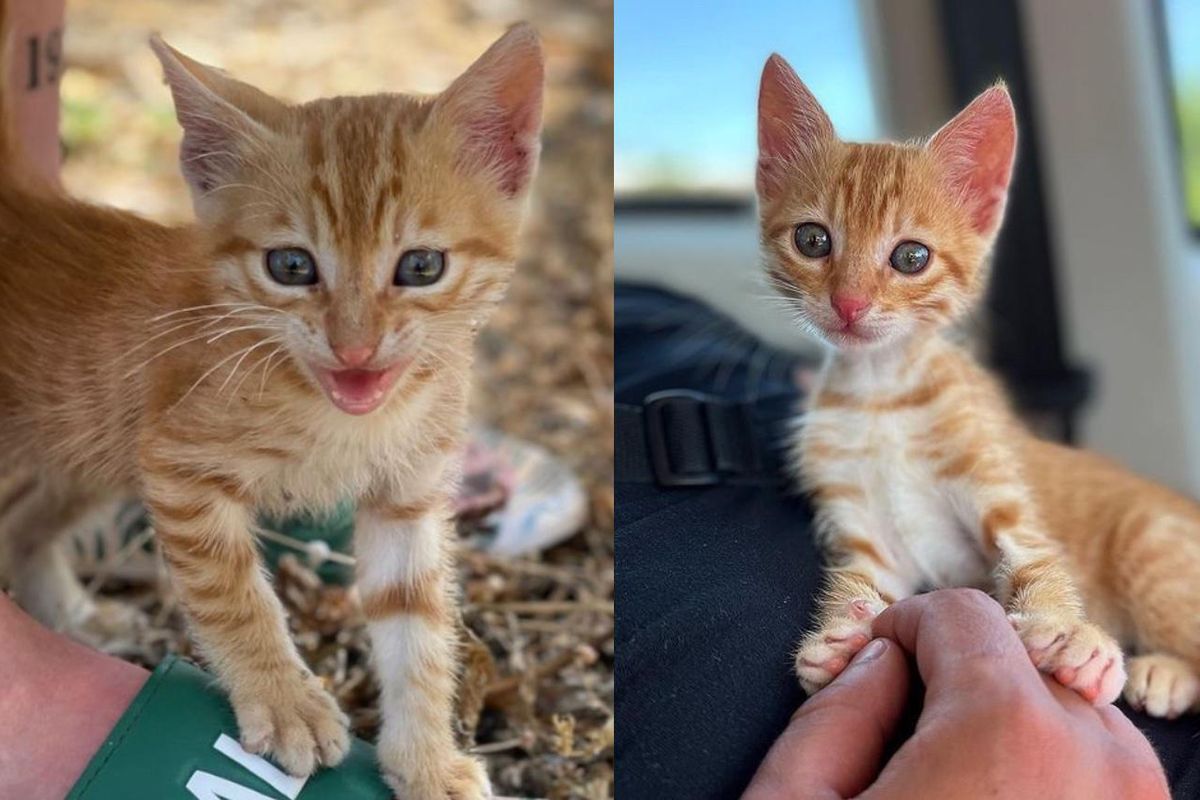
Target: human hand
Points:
x,y
991,725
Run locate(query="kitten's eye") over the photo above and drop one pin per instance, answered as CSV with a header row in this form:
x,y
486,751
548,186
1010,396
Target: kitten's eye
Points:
x,y
910,257
420,267
292,266
812,240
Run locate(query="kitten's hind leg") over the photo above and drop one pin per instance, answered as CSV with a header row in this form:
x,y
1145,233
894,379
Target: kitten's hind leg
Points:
x,y
1155,579
34,513
1162,685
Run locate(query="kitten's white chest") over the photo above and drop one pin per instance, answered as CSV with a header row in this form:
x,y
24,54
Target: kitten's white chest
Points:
x,y
904,509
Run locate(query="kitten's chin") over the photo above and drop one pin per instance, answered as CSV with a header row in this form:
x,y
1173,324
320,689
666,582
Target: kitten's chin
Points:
x,y
359,391
872,340
853,338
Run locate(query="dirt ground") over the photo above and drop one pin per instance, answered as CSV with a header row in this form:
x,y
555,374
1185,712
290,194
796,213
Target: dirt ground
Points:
x,y
538,689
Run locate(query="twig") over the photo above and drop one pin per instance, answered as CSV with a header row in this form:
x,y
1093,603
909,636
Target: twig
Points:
x,y
498,747
303,547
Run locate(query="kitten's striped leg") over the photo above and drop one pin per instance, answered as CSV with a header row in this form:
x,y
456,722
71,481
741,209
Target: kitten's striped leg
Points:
x,y
406,579
204,530
864,583
1042,601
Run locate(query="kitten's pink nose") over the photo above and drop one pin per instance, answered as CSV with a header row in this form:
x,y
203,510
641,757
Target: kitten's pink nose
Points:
x,y
850,307
353,355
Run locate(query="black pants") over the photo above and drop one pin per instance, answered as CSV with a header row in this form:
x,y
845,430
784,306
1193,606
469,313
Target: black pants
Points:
x,y
715,585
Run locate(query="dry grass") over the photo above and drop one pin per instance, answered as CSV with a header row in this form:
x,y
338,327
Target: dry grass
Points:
x,y
538,688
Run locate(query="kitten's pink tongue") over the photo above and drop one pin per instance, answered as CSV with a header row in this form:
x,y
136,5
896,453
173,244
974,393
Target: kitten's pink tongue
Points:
x,y
359,391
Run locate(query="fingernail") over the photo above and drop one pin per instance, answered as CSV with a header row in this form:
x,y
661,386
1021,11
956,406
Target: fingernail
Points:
x,y
872,651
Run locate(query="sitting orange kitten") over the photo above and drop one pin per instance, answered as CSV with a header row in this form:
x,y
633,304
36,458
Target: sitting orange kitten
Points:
x,y
921,474
309,339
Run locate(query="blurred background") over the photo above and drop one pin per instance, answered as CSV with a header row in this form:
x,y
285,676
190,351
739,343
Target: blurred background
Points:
x,y
1093,317
537,694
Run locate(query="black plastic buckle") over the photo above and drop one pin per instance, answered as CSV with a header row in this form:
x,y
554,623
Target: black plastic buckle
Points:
x,y
655,409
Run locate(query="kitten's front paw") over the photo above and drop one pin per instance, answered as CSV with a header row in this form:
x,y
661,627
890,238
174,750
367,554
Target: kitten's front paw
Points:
x,y
1080,655
294,721
459,777
1162,685
825,652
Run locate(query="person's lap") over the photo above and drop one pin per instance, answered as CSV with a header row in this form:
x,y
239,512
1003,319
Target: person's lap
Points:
x,y
716,584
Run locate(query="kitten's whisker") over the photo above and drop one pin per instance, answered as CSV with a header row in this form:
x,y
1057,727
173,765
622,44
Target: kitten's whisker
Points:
x,y
197,308
161,353
224,333
209,318
208,372
267,372
159,335
251,370
205,328
233,371
439,358
260,319
177,345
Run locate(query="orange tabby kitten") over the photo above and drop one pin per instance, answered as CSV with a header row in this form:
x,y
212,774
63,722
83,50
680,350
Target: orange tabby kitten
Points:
x,y
309,339
921,474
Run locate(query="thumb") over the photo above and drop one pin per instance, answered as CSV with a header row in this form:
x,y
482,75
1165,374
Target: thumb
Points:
x,y
834,743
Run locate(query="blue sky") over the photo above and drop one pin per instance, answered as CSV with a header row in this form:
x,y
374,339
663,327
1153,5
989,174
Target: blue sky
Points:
x,y
687,82
687,78
1183,35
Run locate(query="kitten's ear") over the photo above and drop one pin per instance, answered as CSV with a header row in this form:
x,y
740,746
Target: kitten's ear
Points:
x,y
976,150
217,114
497,103
791,123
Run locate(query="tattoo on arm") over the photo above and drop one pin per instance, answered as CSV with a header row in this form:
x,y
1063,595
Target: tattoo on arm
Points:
x,y
43,59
